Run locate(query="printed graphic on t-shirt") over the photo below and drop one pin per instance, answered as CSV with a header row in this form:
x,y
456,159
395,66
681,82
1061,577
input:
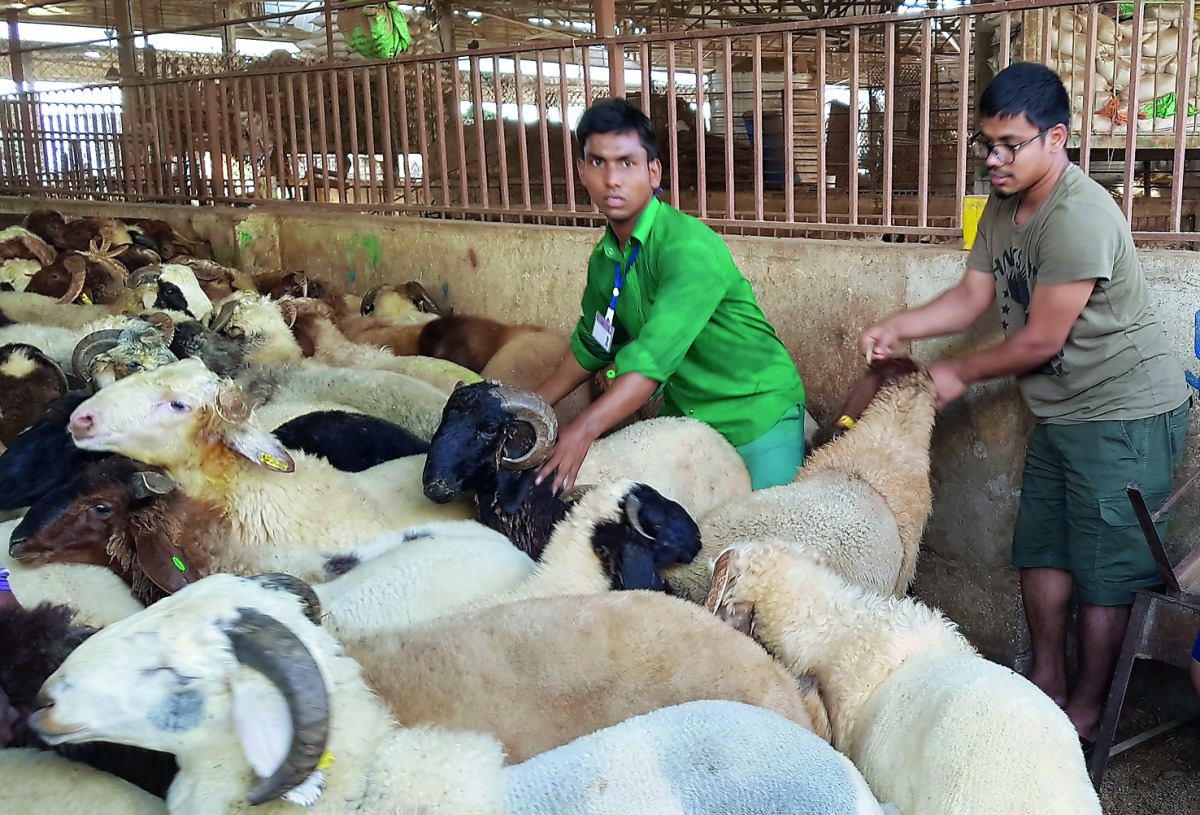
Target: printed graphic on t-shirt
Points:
x,y
1019,276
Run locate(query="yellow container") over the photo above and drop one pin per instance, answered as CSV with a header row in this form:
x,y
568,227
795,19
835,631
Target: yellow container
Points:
x,y
971,212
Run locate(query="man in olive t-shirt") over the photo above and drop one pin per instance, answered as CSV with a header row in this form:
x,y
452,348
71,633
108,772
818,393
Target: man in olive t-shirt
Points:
x,y
1056,256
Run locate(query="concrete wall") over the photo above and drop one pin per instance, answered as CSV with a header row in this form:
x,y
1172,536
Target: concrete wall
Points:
x,y
818,294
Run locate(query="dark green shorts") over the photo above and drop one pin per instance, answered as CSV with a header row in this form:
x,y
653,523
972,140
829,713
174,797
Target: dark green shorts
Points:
x,y
776,456
1074,513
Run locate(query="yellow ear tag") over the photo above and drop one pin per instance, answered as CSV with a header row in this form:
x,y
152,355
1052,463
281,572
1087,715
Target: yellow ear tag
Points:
x,y
83,298
268,460
846,422
326,761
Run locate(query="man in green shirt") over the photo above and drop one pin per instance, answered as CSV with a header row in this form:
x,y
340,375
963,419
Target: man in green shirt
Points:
x,y
666,303
1092,362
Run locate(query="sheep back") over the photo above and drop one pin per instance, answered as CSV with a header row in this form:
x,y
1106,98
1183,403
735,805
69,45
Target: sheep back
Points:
x,y
989,742
36,782
539,673
702,758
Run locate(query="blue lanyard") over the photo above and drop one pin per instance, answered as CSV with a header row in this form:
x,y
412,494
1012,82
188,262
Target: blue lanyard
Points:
x,y
620,281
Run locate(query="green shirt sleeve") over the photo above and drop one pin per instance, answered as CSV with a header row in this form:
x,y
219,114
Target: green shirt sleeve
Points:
x,y
589,353
688,294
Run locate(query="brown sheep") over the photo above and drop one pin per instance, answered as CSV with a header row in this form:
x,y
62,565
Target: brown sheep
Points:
x,y
469,340
123,515
93,277
29,382
77,233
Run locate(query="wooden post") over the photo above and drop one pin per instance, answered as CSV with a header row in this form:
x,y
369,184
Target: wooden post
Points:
x,y
126,58
329,23
446,25
24,98
606,26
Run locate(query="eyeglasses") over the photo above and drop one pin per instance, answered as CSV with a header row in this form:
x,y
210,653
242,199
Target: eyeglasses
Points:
x,y
1005,153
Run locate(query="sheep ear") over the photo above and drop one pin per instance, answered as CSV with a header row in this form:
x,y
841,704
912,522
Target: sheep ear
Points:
x,y
259,446
164,563
262,720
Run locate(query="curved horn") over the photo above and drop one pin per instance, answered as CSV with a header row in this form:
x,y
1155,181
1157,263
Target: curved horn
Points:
x,y
286,582
633,511
297,279
224,316
163,322
527,406
77,266
288,310
420,298
38,248
149,482
268,646
90,347
144,275
368,301
231,404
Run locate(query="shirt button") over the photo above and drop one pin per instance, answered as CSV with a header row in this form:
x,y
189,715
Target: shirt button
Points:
x,y
691,413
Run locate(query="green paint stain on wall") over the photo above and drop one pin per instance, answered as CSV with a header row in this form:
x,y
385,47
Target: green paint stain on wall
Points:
x,y
351,277
244,237
373,248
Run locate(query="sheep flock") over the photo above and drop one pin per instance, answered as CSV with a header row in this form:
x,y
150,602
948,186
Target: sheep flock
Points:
x,y
271,546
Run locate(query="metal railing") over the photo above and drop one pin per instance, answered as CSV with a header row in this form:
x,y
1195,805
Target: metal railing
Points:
x,y
847,127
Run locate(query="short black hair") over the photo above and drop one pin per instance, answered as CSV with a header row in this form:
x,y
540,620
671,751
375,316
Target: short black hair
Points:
x,y
617,115
1029,88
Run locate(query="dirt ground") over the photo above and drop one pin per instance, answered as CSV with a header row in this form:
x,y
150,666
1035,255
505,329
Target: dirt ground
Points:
x,y
1160,776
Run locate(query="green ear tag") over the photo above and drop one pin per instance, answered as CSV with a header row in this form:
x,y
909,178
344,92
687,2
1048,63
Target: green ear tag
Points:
x,y
268,460
179,564
611,373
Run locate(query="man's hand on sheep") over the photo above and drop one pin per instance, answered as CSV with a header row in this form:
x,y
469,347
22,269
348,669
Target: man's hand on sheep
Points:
x,y
569,452
948,379
879,341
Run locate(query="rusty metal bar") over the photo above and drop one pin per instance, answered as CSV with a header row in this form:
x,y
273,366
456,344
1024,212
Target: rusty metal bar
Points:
x,y
324,137
259,88
216,144
889,119
480,131
202,147
462,139
564,100
544,134
1185,67
644,67
423,132
701,135
822,147
926,112
339,149
284,159
789,122
961,175
439,106
253,138
587,78
1089,92
853,113
1045,15
729,130
385,133
405,144
369,118
1005,40
289,88
672,125
759,137
501,141
352,115
522,146
1131,130
241,134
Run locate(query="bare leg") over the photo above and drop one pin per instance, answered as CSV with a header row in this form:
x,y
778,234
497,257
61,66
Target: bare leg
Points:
x,y
1046,594
1101,632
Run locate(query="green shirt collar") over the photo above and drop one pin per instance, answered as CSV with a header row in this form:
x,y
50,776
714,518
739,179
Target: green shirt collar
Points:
x,y
641,230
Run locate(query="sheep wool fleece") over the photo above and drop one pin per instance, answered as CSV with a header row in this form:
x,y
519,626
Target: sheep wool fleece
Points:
x,y
698,758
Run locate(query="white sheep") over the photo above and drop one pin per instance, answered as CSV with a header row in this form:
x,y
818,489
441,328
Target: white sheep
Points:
x,y
935,728
198,428
231,677
36,782
862,499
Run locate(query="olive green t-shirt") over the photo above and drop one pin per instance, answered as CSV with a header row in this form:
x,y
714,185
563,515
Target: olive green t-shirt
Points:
x,y
686,317
1116,363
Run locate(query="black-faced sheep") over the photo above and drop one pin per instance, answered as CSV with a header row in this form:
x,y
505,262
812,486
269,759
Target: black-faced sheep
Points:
x,y
934,727
184,661
493,437
43,457
29,382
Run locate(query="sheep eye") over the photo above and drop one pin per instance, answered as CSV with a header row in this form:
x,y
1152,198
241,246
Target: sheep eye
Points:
x,y
236,333
102,510
179,407
134,366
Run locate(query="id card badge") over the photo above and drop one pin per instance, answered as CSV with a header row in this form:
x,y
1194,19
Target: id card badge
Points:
x,y
602,332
